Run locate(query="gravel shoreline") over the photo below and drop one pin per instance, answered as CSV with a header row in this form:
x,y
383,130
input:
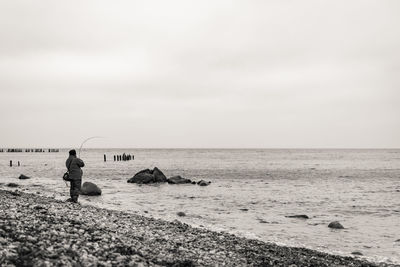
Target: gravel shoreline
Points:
x,y
42,231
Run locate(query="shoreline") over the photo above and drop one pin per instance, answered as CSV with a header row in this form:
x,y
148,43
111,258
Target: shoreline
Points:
x,y
38,230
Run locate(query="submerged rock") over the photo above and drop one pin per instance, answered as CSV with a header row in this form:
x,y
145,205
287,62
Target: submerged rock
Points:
x,y
357,253
301,216
178,180
335,225
203,183
12,185
90,189
181,214
23,177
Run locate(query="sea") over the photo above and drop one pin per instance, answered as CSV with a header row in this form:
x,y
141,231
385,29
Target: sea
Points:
x,y
252,192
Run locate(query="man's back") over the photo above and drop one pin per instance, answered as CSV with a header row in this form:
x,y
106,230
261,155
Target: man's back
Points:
x,y
74,166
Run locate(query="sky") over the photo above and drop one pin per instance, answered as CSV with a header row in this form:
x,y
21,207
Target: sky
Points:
x,y
200,74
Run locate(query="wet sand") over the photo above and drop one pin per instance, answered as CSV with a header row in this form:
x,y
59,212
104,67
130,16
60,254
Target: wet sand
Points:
x,y
42,231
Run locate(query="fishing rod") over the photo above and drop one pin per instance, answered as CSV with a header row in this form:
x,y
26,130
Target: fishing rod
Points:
x,y
90,138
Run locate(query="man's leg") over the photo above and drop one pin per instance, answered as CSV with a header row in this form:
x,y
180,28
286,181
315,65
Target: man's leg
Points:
x,y
71,189
76,189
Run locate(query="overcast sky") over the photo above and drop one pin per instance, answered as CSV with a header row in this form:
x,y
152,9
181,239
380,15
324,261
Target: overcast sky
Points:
x,y
202,74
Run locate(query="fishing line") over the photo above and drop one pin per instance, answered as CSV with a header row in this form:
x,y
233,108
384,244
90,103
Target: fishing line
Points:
x,y
90,138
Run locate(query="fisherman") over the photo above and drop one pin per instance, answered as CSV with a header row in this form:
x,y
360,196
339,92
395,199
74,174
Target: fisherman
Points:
x,y
74,166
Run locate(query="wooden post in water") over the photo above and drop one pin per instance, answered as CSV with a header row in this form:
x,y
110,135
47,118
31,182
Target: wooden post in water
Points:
x,y
105,158
10,163
19,164
114,158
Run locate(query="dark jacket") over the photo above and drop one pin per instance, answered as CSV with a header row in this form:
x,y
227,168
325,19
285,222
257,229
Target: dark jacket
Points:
x,y
75,171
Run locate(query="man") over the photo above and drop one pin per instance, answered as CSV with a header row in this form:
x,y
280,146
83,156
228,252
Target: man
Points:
x,y
74,166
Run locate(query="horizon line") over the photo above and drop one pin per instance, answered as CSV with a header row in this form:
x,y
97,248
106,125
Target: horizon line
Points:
x,y
210,148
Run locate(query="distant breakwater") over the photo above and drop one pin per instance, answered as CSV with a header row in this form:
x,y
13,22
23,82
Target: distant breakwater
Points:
x,y
30,150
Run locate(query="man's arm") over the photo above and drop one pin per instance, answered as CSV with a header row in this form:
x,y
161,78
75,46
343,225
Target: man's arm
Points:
x,y
67,163
80,163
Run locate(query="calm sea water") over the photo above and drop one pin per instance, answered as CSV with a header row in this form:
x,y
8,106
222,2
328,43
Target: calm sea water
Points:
x,y
251,192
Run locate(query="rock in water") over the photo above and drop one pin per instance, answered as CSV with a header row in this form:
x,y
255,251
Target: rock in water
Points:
x,y
159,177
143,177
203,183
335,225
12,185
148,176
301,216
90,189
357,253
178,180
23,177
181,214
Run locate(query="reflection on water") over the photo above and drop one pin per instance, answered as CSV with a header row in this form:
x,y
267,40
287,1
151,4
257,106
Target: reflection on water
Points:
x,y
251,194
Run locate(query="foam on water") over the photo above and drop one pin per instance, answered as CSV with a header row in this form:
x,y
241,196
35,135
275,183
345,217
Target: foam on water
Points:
x,y
251,194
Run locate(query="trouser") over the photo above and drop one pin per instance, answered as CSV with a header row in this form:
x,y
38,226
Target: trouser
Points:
x,y
75,189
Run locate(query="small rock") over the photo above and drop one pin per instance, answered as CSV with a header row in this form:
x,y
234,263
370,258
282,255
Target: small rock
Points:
x,y
244,209
24,177
301,216
12,185
335,225
181,214
31,239
178,180
203,183
358,253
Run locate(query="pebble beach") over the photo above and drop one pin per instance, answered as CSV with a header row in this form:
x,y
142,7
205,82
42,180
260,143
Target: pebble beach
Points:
x,y
43,231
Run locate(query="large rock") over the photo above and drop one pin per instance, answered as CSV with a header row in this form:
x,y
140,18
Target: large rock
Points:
x,y
148,176
90,189
178,180
159,176
23,177
142,177
335,225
